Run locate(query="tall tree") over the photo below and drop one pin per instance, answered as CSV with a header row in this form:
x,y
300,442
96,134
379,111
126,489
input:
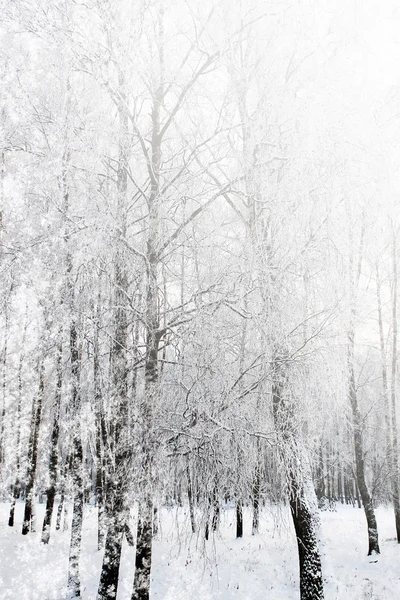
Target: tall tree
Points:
x,y
355,274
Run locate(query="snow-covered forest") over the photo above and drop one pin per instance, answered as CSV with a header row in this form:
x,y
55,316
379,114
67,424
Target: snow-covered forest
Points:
x,y
199,297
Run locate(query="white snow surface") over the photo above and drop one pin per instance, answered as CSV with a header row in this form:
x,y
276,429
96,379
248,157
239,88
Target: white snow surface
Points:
x,y
185,567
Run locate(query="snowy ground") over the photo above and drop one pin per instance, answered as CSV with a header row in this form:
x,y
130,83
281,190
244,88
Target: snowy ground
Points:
x,y
184,568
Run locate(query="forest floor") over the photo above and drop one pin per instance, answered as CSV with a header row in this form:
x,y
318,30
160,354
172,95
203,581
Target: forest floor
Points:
x,y
224,568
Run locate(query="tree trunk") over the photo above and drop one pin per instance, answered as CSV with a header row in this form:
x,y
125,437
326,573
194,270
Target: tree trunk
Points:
x,y
66,512
17,484
208,511
141,583
16,492
304,518
33,454
99,488
144,539
216,509
239,518
373,544
391,426
155,520
59,511
115,504
77,470
116,525
3,385
74,585
356,492
64,479
395,449
256,493
100,497
190,497
51,491
311,583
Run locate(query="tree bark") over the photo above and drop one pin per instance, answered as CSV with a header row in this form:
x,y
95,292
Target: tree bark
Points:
x,y
117,522
141,583
64,478
311,583
190,497
100,461
395,449
391,425
216,509
144,541
53,463
60,510
4,384
256,492
115,506
17,484
239,518
74,584
373,543
33,454
304,518
76,470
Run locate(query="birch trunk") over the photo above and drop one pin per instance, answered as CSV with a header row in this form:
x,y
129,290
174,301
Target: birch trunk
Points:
x,y
373,543
302,500
17,483
141,583
395,452
53,463
74,586
33,454
388,422
116,512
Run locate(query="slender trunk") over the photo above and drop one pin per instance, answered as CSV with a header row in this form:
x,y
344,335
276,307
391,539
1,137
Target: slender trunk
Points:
x,y
99,488
256,491
76,465
328,477
53,463
256,501
17,484
116,508
216,509
340,480
66,512
141,583
63,504
390,453
190,497
3,386
16,492
155,520
74,585
77,470
33,454
373,544
99,448
395,452
239,518
59,511
356,492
